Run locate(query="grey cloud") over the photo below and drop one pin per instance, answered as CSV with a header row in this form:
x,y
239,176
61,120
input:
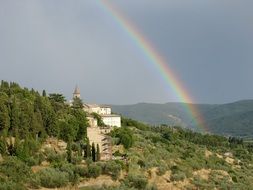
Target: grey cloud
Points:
x,y
55,45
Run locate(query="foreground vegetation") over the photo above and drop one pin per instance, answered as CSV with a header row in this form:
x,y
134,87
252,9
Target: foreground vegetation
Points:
x,y
145,157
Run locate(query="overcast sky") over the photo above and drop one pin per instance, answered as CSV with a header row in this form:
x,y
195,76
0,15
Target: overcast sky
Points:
x,y
55,45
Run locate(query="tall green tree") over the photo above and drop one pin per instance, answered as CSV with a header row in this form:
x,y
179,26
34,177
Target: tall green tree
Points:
x,y
14,117
87,149
66,131
69,151
44,94
93,152
25,118
36,127
42,105
5,86
57,98
98,153
4,119
82,123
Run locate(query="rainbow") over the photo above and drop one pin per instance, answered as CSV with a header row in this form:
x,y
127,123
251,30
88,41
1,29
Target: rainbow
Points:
x,y
157,61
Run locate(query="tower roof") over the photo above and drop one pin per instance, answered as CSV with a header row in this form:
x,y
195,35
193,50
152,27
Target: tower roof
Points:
x,y
77,90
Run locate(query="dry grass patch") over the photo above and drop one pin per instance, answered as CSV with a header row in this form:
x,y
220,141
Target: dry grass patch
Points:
x,y
229,160
208,153
99,182
203,173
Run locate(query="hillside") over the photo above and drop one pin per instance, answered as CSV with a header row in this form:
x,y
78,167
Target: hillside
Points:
x,y
44,145
149,158
227,119
155,114
180,159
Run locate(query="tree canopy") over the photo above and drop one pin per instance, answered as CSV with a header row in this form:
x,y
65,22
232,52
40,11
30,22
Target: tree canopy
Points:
x,y
26,114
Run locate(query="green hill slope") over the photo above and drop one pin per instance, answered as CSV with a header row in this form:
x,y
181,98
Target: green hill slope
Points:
x,y
155,114
44,144
240,124
228,119
188,160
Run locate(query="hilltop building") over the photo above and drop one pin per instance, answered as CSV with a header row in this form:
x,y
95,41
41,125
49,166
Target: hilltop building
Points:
x,y
98,134
104,111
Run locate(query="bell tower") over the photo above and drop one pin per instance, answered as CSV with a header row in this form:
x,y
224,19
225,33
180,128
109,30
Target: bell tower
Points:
x,y
76,93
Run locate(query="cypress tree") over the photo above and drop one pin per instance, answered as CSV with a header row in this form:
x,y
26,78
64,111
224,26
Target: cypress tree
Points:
x,y
69,152
93,152
98,153
3,145
4,120
44,94
14,117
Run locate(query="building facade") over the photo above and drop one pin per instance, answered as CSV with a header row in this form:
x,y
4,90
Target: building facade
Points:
x,y
104,111
112,120
99,134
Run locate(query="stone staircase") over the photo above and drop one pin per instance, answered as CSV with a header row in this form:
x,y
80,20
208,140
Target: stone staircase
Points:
x,y
97,136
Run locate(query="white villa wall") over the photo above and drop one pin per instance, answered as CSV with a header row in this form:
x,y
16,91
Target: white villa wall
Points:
x,y
112,120
93,108
105,111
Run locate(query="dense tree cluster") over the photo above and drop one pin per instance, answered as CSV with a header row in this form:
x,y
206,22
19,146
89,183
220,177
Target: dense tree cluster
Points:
x,y
124,136
26,118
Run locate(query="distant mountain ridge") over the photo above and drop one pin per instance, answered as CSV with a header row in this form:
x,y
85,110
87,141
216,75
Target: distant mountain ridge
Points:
x,y
231,119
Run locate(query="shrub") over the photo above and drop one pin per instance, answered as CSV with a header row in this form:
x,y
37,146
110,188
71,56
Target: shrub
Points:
x,y
161,170
174,169
32,161
126,140
94,170
136,181
81,171
201,183
141,163
220,179
76,159
52,156
25,149
234,179
117,153
35,159
10,185
70,169
75,147
2,147
52,178
112,168
15,170
34,182
115,141
125,136
179,176
88,161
